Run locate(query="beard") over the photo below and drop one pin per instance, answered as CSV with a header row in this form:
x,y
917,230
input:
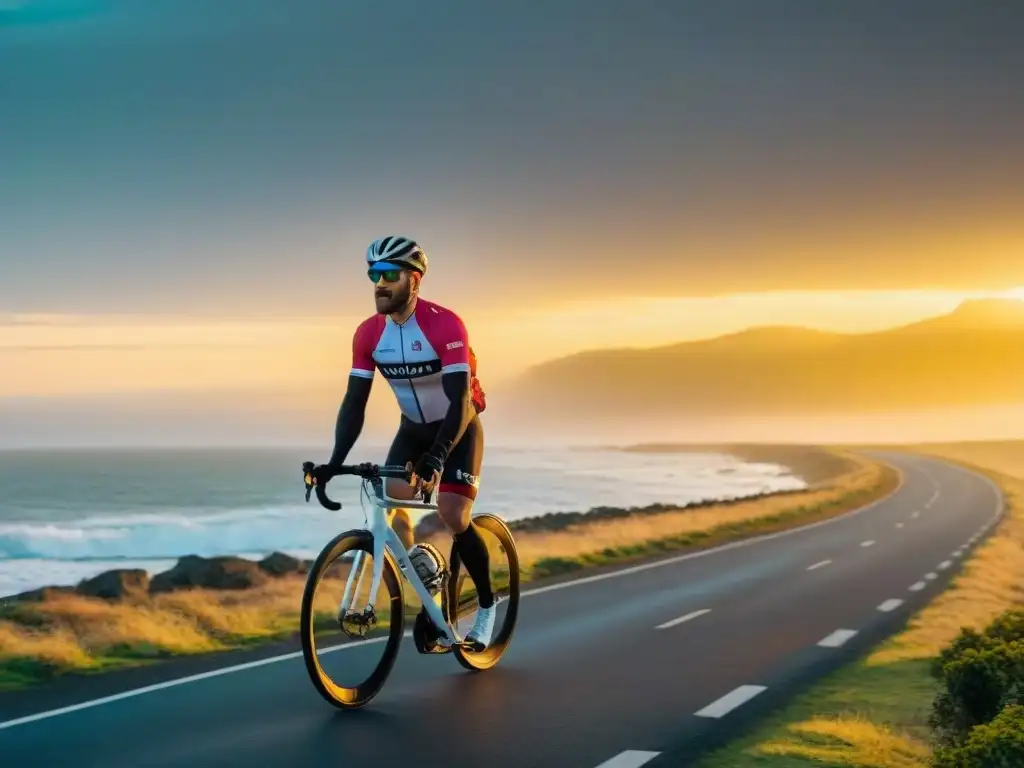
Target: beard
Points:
x,y
389,301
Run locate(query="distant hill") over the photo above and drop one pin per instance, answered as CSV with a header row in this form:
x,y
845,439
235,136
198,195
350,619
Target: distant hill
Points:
x,y
971,356
976,315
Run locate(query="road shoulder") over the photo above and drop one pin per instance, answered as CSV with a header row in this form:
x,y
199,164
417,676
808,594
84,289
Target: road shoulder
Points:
x,y
874,710
74,688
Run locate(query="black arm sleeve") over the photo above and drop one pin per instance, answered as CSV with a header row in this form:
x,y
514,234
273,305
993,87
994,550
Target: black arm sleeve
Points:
x,y
460,412
350,417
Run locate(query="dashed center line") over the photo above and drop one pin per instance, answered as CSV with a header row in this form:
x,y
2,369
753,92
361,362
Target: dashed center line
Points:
x,y
915,514
945,564
837,638
816,566
918,586
890,605
956,553
900,525
931,576
730,701
631,758
681,619
868,543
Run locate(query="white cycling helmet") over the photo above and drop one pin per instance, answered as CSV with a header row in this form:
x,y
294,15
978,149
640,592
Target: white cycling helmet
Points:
x,y
401,251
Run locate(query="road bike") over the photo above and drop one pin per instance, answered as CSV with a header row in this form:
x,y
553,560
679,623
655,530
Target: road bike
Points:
x,y
436,582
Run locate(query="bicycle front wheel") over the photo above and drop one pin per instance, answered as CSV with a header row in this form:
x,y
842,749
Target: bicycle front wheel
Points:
x,y
354,696
493,527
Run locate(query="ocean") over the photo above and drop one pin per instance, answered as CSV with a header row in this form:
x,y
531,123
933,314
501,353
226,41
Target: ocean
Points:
x,y
66,515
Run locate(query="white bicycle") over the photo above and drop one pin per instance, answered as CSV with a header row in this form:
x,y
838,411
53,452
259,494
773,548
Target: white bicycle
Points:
x,y
425,568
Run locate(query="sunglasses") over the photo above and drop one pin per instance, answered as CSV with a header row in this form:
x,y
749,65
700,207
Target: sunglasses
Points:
x,y
389,275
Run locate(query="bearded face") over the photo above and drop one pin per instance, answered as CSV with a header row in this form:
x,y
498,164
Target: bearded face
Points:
x,y
393,289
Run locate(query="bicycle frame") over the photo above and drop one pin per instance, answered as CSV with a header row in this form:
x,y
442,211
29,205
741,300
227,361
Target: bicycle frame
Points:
x,y
385,537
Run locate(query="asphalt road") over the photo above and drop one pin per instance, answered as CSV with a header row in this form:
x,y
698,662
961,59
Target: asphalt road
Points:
x,y
647,665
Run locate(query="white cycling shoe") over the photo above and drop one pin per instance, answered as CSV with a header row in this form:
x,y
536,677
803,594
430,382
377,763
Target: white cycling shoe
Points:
x,y
480,635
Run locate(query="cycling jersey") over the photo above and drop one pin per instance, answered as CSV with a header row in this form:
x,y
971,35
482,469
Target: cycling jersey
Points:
x,y
414,356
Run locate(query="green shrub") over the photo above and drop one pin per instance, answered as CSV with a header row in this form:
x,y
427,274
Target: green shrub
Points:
x,y
980,674
1006,628
998,744
979,682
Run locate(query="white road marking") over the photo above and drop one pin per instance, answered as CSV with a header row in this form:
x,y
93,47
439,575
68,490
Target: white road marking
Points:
x,y
731,701
525,593
917,587
900,525
816,566
837,638
183,680
890,605
956,553
714,550
681,619
915,514
945,564
931,576
539,590
868,543
631,758
935,496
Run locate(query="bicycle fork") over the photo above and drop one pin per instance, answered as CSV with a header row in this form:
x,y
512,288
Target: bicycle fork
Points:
x,y
358,572
358,566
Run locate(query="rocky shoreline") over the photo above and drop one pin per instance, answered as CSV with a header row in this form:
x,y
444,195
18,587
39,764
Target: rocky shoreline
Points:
x,y
229,572
191,571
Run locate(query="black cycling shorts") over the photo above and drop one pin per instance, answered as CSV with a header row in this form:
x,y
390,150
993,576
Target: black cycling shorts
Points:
x,y
461,472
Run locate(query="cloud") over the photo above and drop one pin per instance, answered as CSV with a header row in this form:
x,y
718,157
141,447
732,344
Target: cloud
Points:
x,y
109,347
10,318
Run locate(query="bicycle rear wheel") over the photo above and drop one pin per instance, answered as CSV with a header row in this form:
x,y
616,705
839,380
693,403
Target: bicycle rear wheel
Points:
x,y
504,626
359,695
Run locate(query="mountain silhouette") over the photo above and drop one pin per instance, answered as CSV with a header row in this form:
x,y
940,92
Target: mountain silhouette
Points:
x,y
972,356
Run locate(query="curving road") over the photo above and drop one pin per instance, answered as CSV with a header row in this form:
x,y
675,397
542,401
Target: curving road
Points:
x,y
647,665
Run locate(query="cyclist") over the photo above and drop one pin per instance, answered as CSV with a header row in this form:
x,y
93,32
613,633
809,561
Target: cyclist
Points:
x,y
422,349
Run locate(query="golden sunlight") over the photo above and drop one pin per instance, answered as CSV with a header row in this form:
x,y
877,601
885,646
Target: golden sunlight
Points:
x,y
54,355
1013,293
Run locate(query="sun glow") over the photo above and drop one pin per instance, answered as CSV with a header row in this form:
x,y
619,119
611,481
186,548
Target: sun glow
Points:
x,y
65,355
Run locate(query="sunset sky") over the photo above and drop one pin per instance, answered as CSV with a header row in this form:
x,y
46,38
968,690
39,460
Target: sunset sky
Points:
x,y
187,186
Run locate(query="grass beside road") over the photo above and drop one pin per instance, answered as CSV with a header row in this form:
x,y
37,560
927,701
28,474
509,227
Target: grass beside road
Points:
x,y
70,633
873,713
607,542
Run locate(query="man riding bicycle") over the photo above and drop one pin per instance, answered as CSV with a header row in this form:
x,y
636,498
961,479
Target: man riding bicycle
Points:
x,y
422,349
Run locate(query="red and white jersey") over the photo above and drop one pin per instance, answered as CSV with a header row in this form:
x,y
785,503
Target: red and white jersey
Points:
x,y
414,355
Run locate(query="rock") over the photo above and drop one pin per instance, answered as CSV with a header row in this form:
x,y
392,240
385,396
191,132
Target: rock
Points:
x,y
212,573
40,595
116,584
280,564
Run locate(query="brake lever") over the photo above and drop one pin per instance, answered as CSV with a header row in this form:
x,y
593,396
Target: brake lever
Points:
x,y
307,477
